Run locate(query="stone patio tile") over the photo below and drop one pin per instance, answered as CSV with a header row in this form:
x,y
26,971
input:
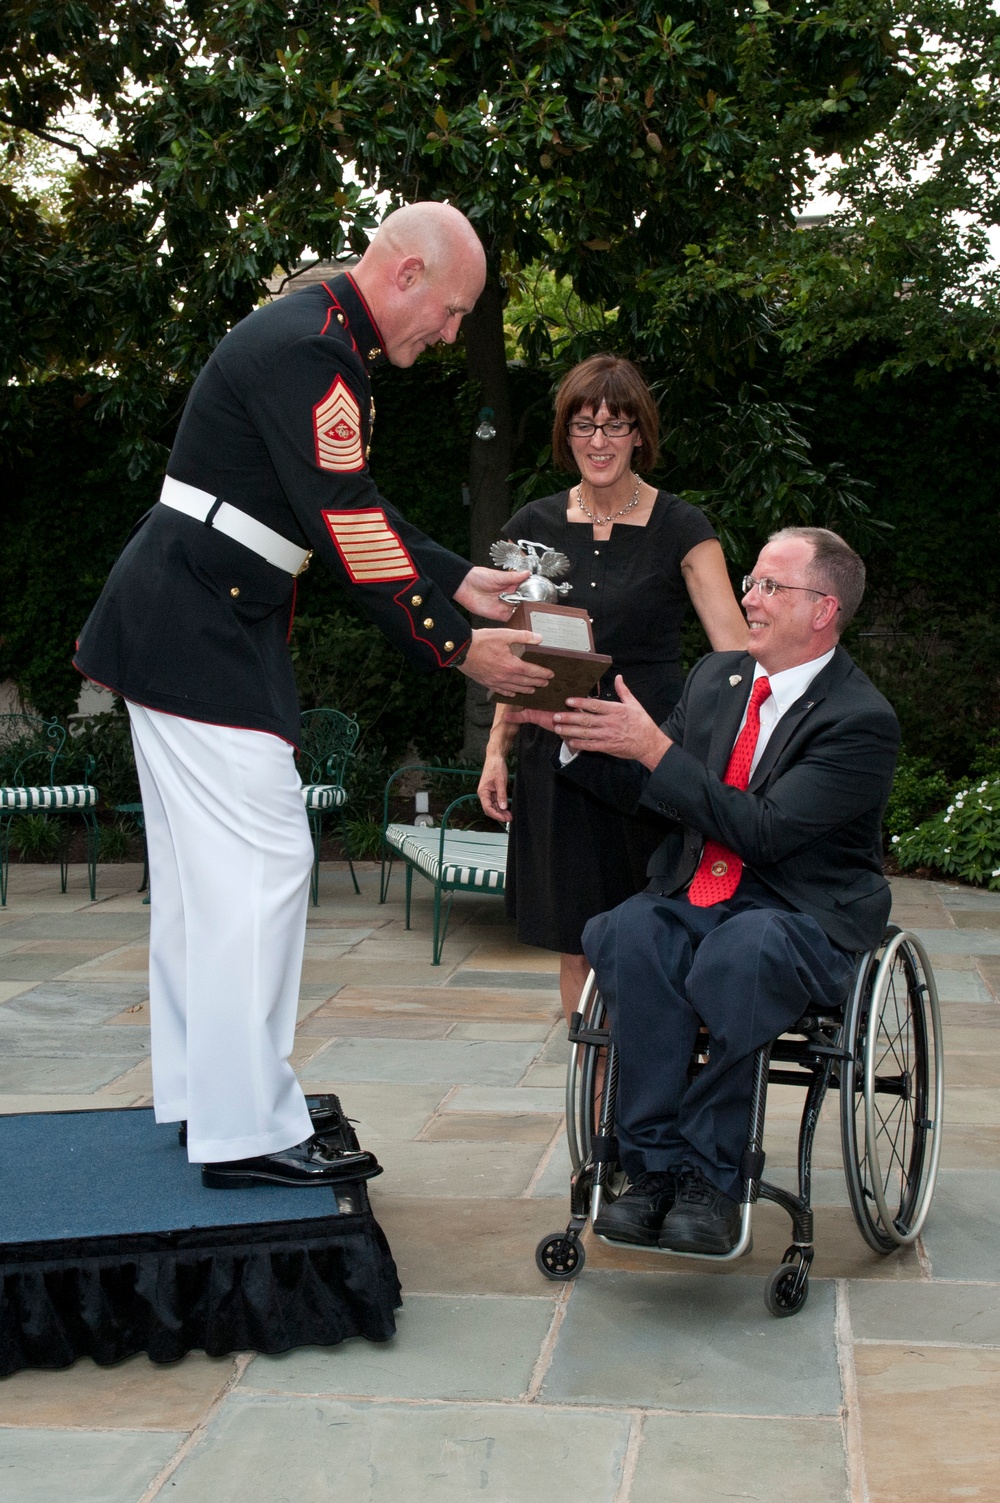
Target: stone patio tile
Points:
x,y
975,918
57,1466
462,1246
506,1033
72,1004
516,957
545,1077
960,1234
260,1449
134,1395
137,1013
139,1078
383,1112
23,1041
349,971
28,965
693,1343
466,1004
382,1027
970,1038
980,1069
961,986
477,1098
52,1103
989,967
11,989
970,1147
132,958
929,1423
970,1104
92,923
76,1077
774,1460
553,1182
533,981
414,1061
940,1312
460,1169
445,1347
336,934
960,941
490,1127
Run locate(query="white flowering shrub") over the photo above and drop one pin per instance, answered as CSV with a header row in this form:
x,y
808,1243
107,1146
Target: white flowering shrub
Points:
x,y
962,841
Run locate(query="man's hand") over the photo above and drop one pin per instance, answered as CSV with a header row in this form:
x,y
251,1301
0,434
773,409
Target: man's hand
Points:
x,y
618,730
480,590
491,663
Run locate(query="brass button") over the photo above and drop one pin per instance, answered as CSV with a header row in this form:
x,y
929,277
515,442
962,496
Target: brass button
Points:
x,y
416,600
235,591
428,620
340,318
374,352
449,647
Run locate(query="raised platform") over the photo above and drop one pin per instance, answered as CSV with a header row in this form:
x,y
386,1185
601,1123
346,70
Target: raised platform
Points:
x,y
109,1245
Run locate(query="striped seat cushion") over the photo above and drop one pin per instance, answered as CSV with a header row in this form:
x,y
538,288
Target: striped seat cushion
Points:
x,y
69,796
471,858
323,795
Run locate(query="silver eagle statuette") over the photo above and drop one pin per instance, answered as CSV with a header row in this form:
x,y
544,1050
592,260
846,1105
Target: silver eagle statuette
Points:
x,y
545,564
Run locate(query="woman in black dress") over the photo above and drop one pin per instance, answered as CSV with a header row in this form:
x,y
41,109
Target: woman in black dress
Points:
x,y
637,555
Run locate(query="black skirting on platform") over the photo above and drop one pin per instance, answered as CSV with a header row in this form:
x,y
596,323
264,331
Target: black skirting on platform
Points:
x,y
109,1246
263,1288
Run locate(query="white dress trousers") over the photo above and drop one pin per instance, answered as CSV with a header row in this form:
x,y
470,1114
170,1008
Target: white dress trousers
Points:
x,y
229,860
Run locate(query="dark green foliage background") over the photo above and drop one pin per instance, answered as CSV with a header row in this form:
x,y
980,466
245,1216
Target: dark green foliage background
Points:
x,y
929,632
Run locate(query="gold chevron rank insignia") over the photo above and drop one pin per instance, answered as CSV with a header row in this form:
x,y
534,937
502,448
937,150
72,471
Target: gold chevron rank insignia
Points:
x,y
371,551
337,427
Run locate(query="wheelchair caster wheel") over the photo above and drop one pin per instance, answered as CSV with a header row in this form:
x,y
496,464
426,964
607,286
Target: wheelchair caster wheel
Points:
x,y
787,1290
559,1257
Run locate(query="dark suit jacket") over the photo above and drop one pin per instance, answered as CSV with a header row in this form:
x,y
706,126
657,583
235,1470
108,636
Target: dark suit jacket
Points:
x,y
809,825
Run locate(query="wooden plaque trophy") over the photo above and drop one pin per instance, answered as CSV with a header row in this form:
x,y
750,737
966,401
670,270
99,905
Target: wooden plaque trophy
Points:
x,y
567,645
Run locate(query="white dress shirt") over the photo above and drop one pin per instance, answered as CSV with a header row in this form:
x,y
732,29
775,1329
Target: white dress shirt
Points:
x,y
786,688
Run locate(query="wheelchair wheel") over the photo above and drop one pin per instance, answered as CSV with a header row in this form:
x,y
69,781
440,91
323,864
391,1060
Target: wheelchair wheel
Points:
x,y
787,1290
560,1257
585,1061
892,1093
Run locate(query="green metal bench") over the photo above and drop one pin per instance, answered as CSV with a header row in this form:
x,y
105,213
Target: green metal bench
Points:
x,y
35,773
452,860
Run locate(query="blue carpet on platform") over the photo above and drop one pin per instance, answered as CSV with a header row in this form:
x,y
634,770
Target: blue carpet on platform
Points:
x,y
105,1174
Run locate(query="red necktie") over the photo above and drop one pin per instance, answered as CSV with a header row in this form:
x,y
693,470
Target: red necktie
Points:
x,y
719,869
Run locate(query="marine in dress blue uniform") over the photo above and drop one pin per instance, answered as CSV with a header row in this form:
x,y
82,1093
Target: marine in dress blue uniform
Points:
x,y
269,467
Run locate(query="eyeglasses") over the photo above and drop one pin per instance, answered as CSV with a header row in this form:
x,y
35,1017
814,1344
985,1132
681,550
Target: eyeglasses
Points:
x,y
616,428
768,587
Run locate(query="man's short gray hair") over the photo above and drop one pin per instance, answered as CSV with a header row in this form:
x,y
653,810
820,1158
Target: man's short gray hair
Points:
x,y
835,567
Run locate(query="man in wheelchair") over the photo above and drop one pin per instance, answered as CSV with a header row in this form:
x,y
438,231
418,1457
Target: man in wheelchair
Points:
x,y
773,772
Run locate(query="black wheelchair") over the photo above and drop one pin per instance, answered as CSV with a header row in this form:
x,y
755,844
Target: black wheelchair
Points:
x,y
882,1052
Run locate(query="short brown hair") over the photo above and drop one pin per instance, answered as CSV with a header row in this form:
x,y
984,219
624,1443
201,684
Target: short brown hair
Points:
x,y
834,565
610,379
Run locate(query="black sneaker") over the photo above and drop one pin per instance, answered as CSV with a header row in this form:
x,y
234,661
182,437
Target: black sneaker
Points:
x,y
637,1215
703,1220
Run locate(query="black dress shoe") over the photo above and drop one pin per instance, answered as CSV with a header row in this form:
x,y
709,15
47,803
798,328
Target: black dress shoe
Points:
x,y
314,1162
703,1220
328,1120
637,1215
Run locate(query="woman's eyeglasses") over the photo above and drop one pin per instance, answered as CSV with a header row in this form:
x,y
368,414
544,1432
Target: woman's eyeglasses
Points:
x,y
615,428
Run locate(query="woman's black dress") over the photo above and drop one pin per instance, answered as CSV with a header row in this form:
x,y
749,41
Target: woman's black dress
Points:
x,y
570,855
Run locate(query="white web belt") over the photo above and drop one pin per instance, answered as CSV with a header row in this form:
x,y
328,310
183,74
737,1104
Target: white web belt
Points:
x,y
235,524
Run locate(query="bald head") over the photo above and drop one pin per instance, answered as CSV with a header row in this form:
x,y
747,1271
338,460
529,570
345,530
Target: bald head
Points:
x,y
423,271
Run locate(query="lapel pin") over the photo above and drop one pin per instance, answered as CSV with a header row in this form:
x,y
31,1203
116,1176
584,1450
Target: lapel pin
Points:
x,y
735,678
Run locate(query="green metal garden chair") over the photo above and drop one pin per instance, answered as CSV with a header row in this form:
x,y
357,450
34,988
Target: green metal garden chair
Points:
x,y
38,776
453,860
327,744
